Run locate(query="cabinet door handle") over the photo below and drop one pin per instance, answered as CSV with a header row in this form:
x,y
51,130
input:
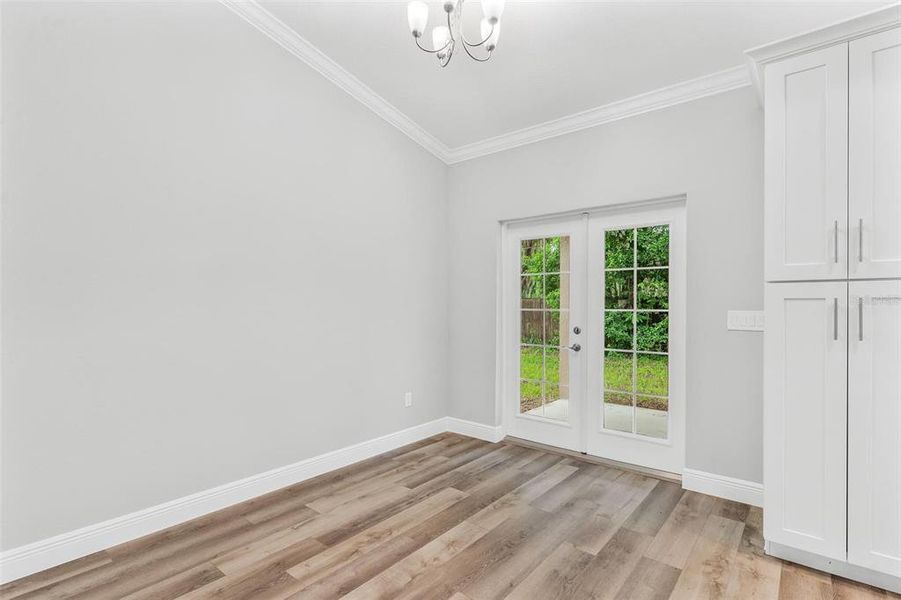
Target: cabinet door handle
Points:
x,y
860,318
835,319
860,240
835,239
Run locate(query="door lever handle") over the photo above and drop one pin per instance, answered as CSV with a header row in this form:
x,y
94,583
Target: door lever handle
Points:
x,y
575,347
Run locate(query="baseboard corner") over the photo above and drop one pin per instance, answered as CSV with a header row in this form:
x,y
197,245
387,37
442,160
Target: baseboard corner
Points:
x,y
722,486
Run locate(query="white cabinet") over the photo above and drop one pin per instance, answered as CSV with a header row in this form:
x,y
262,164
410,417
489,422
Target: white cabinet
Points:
x,y
806,166
805,416
874,426
874,156
832,343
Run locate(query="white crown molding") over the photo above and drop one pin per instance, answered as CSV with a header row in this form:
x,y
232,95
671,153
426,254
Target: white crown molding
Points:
x,y
665,97
739,490
292,41
837,33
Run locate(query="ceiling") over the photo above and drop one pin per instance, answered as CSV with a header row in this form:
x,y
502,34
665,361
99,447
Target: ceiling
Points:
x,y
554,58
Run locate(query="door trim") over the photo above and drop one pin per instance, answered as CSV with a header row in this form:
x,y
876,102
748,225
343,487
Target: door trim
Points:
x,y
503,414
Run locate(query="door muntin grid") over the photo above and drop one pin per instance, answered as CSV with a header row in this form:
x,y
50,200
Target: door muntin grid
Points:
x,y
636,331
545,268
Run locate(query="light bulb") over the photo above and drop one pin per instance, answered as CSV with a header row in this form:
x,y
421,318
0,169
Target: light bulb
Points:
x,y
440,37
487,31
492,9
417,17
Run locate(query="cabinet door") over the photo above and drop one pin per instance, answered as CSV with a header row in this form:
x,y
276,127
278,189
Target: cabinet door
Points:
x,y
874,426
805,367
806,166
874,159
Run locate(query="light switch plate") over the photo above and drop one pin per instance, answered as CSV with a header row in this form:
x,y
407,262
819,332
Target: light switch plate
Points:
x,y
408,399
744,320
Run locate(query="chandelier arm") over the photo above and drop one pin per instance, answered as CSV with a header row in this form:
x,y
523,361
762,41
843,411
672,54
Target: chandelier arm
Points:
x,y
465,47
448,57
424,49
482,43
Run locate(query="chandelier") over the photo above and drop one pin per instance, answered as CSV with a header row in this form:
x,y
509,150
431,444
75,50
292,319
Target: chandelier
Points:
x,y
446,37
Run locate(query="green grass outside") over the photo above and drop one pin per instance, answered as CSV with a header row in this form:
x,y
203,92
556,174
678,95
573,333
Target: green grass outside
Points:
x,y
652,377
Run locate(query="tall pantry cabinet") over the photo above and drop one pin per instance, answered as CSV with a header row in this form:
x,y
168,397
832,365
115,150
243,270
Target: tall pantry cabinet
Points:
x,y
832,382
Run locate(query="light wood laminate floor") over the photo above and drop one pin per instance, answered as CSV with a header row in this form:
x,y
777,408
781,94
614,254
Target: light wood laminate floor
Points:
x,y
453,517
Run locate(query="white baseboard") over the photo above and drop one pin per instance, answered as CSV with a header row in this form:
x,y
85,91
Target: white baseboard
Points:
x,y
43,554
721,486
489,433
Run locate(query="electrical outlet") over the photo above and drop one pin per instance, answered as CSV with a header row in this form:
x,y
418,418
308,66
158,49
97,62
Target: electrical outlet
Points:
x,y
744,320
408,399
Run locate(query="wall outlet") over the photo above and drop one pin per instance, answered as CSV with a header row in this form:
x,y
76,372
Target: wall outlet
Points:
x,y
408,399
744,320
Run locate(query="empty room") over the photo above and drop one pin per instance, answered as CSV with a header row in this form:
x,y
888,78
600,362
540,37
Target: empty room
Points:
x,y
450,299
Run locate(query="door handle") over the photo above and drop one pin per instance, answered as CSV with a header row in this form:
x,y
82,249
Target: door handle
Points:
x,y
860,240
835,239
575,347
860,318
835,319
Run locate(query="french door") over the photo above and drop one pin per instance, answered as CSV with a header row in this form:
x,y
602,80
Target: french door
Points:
x,y
593,348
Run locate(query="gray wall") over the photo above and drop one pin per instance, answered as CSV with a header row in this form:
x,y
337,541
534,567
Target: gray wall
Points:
x,y
215,262
711,150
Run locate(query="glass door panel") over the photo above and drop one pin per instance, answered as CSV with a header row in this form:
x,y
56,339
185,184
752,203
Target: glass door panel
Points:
x,y
546,277
544,319
636,330
635,270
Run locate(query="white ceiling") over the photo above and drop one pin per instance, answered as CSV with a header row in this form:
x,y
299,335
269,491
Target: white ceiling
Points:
x,y
554,58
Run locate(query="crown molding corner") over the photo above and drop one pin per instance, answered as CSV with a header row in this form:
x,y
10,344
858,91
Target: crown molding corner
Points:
x,y
866,24
686,91
293,42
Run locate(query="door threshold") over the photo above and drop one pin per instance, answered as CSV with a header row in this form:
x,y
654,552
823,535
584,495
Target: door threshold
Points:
x,y
655,473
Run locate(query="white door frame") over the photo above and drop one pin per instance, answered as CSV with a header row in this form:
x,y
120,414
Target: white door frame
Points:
x,y
506,324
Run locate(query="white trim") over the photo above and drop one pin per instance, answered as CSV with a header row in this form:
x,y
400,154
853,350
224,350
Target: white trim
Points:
x,y
294,43
836,567
489,433
837,33
730,488
43,554
686,91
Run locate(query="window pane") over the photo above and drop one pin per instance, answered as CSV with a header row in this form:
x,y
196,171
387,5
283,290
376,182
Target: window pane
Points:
x,y
556,401
556,364
618,371
653,288
653,246
619,251
530,363
618,330
651,417
531,327
618,412
555,325
529,396
531,291
653,332
552,255
653,374
532,256
619,287
552,291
